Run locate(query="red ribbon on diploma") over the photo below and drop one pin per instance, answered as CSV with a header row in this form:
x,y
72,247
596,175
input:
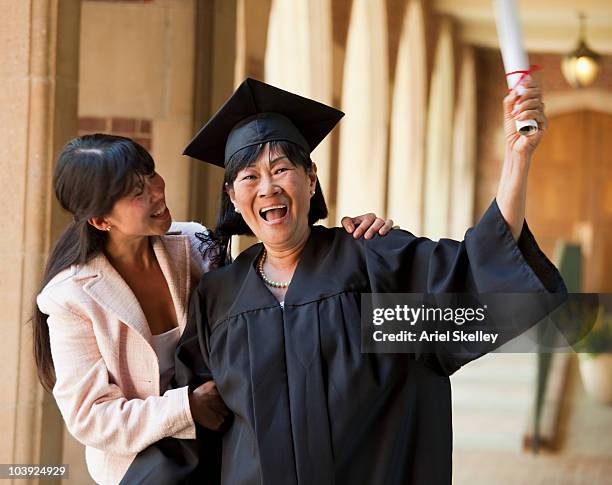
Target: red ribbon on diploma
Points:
x,y
523,74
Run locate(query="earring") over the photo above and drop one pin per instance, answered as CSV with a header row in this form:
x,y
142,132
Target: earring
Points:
x,y
236,210
312,193
108,228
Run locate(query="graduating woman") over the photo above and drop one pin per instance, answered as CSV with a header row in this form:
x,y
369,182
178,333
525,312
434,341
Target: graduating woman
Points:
x,y
279,329
114,305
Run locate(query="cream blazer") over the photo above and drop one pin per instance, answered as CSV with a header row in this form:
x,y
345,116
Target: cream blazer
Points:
x,y
107,371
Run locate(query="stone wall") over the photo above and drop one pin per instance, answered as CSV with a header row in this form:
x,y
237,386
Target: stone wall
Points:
x,y
137,79
39,79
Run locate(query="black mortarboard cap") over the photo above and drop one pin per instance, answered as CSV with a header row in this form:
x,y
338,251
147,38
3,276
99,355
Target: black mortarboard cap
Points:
x,y
258,113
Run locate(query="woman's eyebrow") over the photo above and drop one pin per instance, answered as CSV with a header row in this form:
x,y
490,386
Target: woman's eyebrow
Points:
x,y
277,159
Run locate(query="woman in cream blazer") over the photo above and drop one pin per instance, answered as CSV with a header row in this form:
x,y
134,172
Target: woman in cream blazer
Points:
x,y
107,372
115,278
114,302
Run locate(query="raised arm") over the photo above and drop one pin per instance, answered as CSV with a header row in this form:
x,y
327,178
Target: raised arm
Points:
x,y
512,189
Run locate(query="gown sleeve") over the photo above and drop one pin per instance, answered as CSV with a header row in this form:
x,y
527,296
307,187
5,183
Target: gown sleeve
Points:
x,y
191,358
181,461
488,260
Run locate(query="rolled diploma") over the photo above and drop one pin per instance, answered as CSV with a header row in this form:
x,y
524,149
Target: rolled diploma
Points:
x,y
513,52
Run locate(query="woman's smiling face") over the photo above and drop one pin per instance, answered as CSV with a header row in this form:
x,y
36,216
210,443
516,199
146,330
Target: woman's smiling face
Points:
x,y
273,197
143,212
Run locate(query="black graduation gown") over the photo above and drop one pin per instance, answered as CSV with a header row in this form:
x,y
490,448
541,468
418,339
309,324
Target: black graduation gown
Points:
x,y
309,407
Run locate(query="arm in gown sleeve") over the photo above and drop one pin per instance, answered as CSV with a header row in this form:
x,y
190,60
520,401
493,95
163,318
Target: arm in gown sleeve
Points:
x,y
171,460
191,358
488,260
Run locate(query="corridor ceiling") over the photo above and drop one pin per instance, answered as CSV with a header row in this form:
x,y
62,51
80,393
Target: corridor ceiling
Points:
x,y
548,25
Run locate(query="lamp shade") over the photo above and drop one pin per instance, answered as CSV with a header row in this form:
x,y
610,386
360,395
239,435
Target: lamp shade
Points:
x,y
581,66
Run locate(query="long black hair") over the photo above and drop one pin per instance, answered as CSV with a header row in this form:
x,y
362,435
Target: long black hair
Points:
x,y
216,243
91,174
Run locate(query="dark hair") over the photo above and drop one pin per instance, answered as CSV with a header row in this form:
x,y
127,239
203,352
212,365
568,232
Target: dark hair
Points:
x,y
91,174
216,243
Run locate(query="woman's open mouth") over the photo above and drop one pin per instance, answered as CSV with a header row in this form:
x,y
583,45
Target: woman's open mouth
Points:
x,y
274,213
160,213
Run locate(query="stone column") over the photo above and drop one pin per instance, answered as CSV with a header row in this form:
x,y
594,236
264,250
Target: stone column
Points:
x,y
252,21
362,170
299,59
38,95
439,136
215,55
407,126
463,179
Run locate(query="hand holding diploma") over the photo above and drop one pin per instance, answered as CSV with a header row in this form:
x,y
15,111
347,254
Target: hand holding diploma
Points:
x,y
518,108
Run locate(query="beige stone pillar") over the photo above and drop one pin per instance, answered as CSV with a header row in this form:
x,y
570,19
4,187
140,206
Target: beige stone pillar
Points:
x,y
461,210
299,59
226,40
214,82
252,20
340,16
408,121
362,171
38,95
439,136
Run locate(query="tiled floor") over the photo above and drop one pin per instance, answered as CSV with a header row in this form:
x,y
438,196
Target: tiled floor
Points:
x,y
493,468
584,457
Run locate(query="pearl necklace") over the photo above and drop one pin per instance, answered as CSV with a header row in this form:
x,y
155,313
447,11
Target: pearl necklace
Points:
x,y
268,281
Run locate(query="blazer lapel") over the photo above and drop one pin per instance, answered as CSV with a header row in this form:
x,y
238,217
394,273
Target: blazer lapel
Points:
x,y
112,293
172,254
